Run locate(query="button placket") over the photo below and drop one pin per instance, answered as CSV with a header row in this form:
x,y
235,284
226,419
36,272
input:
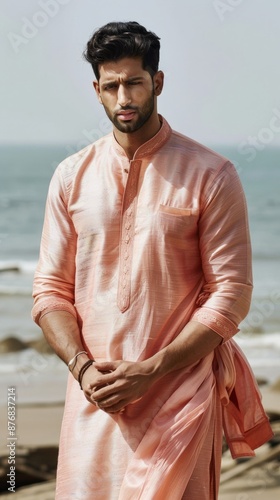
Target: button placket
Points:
x,y
127,235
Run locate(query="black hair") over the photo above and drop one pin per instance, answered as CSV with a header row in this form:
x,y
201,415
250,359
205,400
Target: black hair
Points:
x,y
117,40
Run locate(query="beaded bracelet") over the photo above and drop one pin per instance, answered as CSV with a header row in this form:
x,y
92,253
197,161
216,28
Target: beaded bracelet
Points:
x,y
83,370
75,359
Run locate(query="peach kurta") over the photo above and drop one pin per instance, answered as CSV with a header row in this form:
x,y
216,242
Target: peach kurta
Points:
x,y
135,249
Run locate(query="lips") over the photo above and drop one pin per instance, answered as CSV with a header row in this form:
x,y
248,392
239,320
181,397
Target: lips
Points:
x,y
126,115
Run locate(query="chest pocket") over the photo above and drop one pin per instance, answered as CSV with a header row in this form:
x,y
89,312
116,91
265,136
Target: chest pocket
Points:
x,y
178,226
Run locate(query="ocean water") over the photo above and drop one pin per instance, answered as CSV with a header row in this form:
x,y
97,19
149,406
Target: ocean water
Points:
x,y
25,172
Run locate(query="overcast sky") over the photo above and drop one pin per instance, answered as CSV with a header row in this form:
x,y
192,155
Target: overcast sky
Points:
x,y
220,58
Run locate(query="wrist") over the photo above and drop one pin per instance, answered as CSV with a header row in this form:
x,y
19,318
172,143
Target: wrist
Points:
x,y
81,360
153,367
73,361
82,371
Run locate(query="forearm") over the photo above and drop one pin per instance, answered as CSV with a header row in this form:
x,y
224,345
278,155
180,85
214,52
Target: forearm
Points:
x,y
62,333
193,343
125,382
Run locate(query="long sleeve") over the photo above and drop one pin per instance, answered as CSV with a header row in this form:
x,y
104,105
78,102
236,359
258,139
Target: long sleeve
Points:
x,y
54,279
226,255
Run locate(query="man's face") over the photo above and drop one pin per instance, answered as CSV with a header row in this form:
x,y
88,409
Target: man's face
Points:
x,y
127,93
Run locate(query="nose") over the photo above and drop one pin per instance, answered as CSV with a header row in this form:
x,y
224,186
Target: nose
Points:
x,y
124,97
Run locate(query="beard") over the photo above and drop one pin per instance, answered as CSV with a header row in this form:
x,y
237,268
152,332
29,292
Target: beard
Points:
x,y
144,113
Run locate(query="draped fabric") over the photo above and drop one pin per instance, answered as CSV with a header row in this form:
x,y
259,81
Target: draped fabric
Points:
x,y
134,250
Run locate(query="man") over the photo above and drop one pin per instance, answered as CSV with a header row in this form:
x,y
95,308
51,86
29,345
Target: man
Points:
x,y
144,275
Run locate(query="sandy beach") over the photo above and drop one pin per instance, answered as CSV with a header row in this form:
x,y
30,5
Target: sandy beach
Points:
x,y
38,428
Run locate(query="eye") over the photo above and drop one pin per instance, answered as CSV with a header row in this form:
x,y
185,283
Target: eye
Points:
x,y
110,86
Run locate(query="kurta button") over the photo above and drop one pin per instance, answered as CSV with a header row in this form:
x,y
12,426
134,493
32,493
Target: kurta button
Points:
x,y
128,214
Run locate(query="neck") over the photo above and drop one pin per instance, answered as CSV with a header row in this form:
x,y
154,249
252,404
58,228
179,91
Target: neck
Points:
x,y
131,142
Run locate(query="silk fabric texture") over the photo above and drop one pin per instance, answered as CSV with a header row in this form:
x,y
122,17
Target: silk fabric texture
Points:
x,y
134,250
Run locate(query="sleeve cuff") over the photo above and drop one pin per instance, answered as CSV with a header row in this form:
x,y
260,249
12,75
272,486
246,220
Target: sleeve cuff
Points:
x,y
39,311
215,321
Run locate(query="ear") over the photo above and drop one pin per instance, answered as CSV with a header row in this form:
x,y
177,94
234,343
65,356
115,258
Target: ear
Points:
x,y
97,90
158,82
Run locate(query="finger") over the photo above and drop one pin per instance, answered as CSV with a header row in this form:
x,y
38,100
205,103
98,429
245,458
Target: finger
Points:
x,y
106,366
89,398
105,393
103,381
108,402
117,412
116,408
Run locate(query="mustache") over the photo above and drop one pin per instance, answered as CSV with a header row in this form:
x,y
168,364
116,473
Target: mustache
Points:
x,y
127,108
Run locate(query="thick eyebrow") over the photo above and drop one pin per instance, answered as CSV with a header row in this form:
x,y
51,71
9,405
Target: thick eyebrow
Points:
x,y
128,80
134,78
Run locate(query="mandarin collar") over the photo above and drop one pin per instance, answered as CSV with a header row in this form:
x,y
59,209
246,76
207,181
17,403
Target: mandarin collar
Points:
x,y
149,147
